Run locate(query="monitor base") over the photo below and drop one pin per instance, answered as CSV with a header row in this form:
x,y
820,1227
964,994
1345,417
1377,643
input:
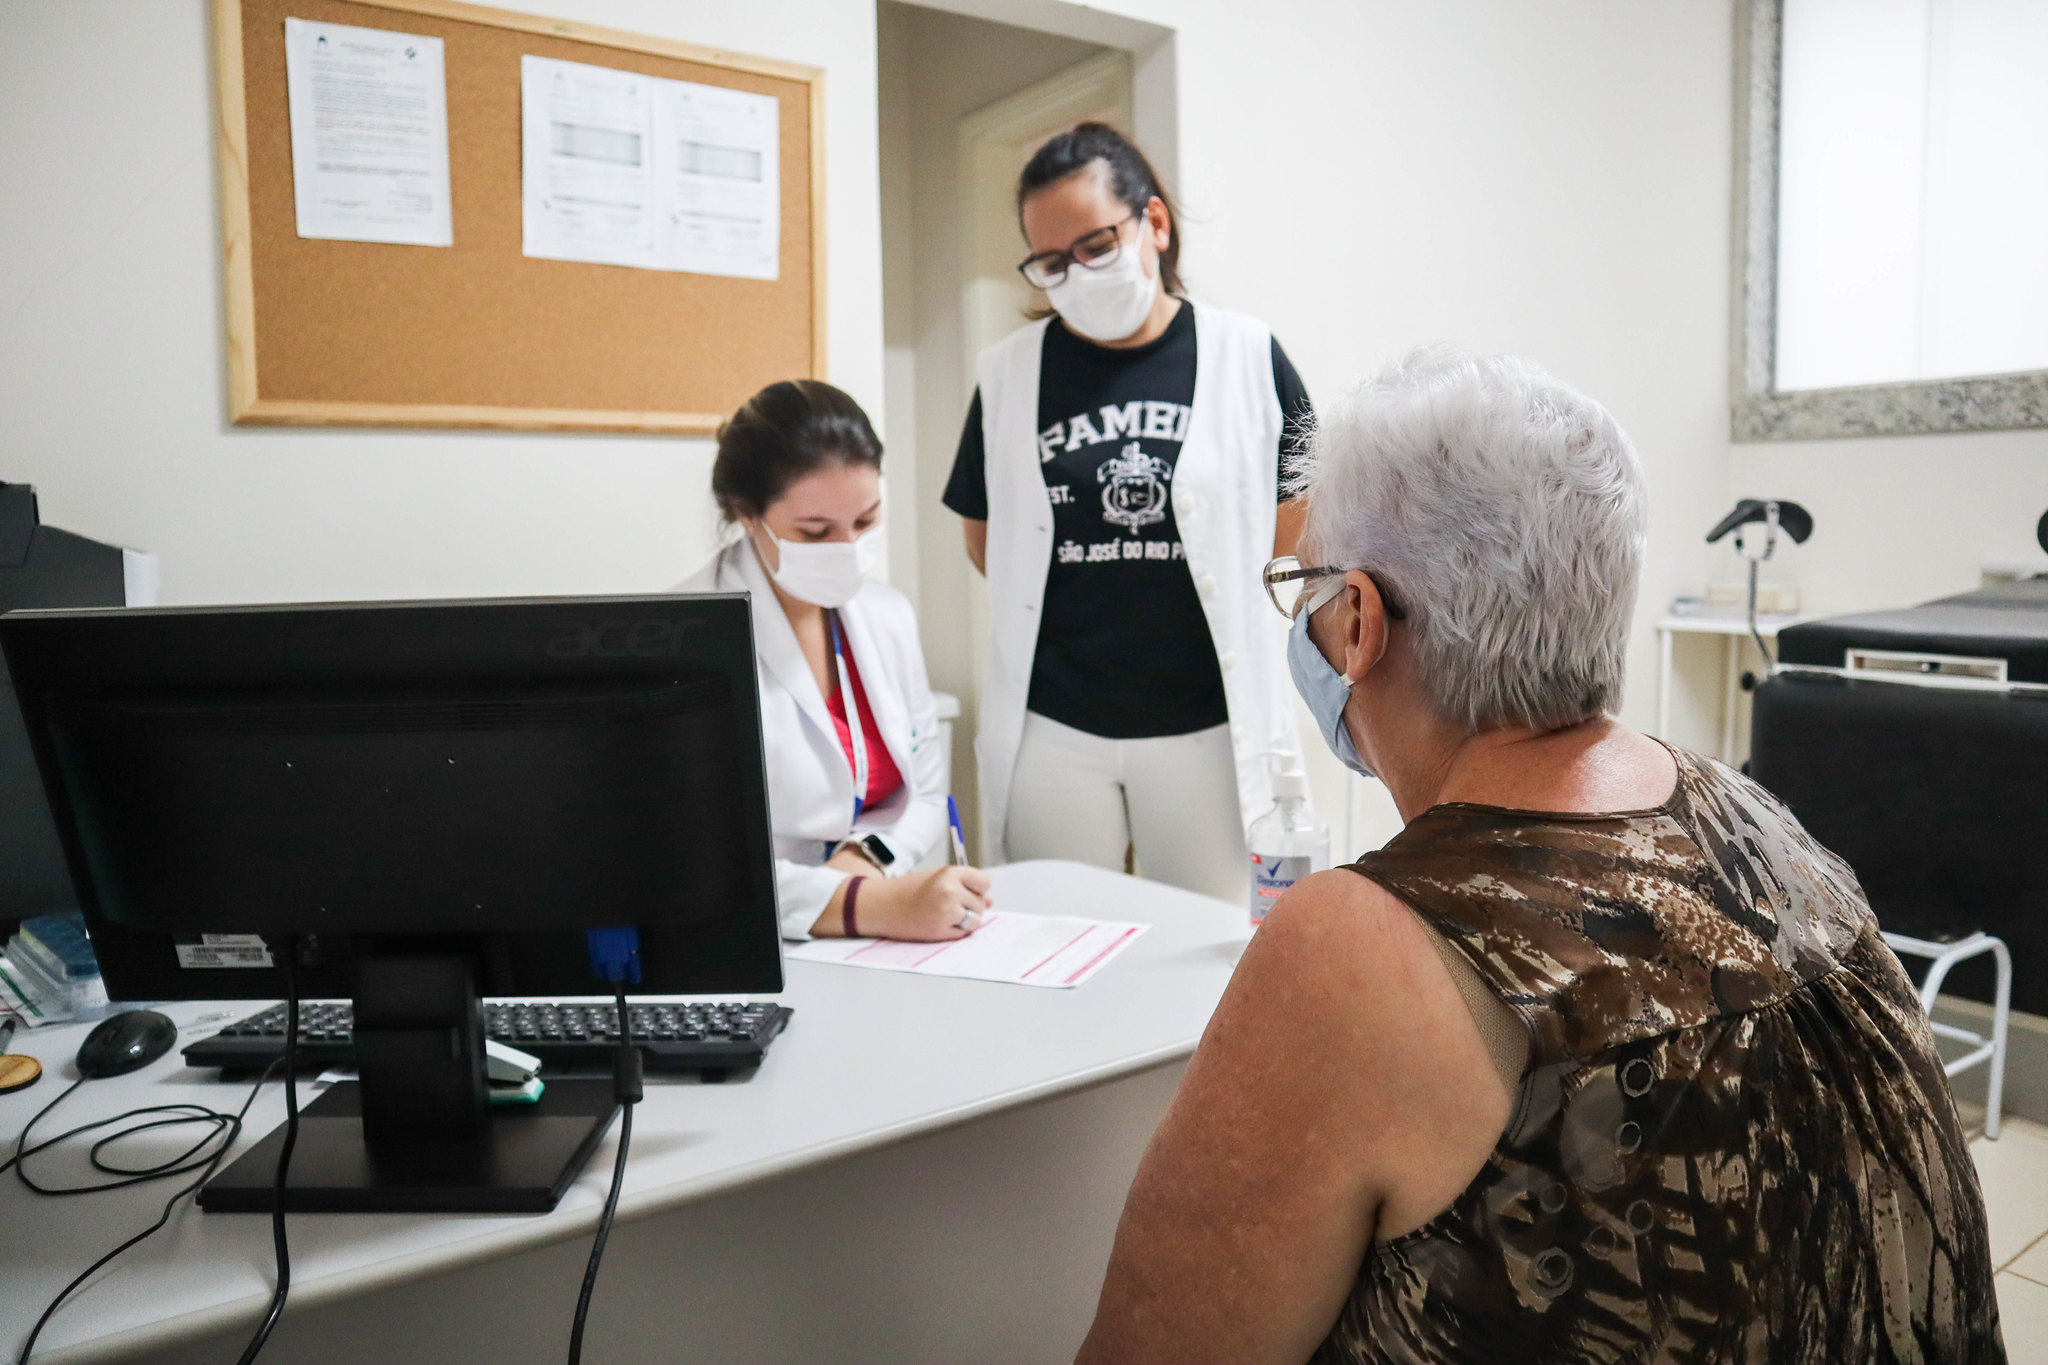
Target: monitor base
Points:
x,y
525,1164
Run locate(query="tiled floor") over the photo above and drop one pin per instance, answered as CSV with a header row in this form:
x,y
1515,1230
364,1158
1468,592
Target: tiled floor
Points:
x,y
2014,1173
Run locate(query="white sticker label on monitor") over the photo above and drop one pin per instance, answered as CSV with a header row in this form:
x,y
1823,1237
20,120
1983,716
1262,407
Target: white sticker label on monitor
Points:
x,y
225,950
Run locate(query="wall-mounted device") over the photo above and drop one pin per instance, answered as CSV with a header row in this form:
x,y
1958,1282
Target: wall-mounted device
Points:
x,y
1756,523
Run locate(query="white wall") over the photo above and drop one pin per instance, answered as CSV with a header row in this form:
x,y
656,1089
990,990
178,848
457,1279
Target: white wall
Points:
x,y
1897,519
111,376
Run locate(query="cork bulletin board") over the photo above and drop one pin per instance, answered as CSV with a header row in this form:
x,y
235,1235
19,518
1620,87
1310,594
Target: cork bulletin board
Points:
x,y
477,334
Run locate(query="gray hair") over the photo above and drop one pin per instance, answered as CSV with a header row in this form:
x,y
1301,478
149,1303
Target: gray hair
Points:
x,y
1504,512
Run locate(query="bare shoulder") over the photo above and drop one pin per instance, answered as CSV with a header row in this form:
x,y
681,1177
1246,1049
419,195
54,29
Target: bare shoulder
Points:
x,y
1341,1042
1343,1002
1343,933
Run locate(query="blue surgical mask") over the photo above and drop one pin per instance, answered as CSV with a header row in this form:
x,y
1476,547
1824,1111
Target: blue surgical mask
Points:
x,y
1325,690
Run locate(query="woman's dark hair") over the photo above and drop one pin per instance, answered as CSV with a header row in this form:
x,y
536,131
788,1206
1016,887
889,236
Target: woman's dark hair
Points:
x,y
784,432
1131,179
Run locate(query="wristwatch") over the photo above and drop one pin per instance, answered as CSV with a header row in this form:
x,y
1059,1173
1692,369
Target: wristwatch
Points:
x,y
875,851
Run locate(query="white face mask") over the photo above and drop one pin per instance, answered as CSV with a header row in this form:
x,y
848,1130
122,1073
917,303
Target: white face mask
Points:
x,y
826,573
1107,304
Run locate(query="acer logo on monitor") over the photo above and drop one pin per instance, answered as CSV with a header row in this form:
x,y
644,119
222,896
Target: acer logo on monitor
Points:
x,y
645,639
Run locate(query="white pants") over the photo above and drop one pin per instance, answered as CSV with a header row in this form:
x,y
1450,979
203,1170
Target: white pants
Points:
x,y
1173,800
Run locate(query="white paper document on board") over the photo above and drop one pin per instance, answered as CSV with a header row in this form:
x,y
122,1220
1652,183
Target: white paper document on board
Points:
x,y
624,169
723,208
369,115
587,164
1030,950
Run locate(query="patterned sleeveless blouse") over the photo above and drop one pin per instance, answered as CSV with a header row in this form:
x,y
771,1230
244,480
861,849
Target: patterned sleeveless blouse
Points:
x,y
1734,1143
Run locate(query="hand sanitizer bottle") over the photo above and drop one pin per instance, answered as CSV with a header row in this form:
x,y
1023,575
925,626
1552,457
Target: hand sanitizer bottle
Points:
x,y
1287,843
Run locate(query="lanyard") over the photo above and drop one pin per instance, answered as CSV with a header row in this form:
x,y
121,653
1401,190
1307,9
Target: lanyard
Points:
x,y
851,705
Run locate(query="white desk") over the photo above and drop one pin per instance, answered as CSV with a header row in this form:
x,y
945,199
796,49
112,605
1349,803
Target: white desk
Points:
x,y
1734,630
923,1168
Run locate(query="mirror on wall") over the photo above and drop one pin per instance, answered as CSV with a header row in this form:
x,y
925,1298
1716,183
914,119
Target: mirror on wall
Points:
x,y
1892,217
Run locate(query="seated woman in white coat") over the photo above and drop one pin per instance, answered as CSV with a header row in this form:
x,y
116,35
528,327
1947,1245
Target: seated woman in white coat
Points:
x,y
856,779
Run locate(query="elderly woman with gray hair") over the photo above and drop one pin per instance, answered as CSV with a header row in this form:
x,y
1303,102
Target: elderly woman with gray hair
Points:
x,y
1601,1058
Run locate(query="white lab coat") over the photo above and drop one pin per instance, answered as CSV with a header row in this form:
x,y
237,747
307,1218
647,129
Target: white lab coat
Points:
x,y
1225,492
810,784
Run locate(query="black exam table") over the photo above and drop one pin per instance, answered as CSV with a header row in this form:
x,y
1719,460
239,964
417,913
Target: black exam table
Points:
x,y
1936,795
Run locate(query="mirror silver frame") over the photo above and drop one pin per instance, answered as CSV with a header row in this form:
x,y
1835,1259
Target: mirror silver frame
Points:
x,y
1758,411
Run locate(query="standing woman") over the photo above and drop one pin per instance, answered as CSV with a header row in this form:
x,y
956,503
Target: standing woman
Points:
x,y
1120,479
856,776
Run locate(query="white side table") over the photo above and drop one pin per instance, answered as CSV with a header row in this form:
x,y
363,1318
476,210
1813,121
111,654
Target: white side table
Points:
x,y
1735,631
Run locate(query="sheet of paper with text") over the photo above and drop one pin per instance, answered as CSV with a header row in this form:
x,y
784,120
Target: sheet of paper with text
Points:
x,y
369,114
1029,950
624,169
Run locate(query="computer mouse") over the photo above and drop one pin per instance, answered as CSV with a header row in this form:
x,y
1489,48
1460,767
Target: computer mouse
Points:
x,y
123,1042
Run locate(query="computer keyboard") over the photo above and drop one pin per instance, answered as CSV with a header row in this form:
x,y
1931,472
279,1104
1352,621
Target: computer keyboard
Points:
x,y
709,1036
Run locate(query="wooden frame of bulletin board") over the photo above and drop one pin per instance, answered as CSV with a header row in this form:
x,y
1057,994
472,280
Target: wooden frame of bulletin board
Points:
x,y
478,334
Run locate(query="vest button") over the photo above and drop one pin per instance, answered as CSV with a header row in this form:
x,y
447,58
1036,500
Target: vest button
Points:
x,y
1206,585
1229,660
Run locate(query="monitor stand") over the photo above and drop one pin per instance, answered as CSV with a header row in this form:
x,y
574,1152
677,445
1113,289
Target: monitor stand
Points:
x,y
417,1133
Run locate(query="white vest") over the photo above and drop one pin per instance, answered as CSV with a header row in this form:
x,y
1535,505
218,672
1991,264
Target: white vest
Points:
x,y
1224,495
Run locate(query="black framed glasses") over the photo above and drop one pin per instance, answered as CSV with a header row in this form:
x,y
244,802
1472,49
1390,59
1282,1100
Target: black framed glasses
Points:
x,y
1095,250
1287,586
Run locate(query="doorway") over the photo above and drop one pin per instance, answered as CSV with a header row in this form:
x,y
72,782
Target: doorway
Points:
x,y
963,102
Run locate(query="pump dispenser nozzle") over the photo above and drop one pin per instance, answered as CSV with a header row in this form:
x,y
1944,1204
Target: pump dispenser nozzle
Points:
x,y
1289,779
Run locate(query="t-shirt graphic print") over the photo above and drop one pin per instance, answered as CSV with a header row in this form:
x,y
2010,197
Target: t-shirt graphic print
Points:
x,y
1124,650
1134,484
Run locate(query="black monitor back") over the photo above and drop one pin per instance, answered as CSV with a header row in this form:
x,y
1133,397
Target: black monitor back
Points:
x,y
40,566
493,776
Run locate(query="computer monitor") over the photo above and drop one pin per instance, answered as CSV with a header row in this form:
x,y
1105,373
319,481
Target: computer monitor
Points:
x,y
412,804
40,566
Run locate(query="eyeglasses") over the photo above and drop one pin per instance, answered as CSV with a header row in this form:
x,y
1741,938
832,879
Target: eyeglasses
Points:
x,y
1096,250
1287,581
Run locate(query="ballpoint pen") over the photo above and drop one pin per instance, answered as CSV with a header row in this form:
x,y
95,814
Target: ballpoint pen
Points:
x,y
959,838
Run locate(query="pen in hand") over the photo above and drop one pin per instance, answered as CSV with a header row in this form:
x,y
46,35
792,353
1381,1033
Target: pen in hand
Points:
x,y
954,832
974,917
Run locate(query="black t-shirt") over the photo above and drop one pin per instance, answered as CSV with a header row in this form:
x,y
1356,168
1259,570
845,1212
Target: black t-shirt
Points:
x,y
1123,648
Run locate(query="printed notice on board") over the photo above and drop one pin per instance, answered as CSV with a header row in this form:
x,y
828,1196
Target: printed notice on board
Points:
x,y
369,114
723,209
625,169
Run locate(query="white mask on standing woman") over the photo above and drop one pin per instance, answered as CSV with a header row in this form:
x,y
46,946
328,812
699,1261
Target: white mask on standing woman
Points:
x,y
1110,303
825,573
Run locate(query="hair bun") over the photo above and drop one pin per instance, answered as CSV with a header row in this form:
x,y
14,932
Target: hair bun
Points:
x,y
788,430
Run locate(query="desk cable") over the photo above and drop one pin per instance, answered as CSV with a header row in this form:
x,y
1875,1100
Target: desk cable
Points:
x,y
626,1085
284,1154
225,1128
